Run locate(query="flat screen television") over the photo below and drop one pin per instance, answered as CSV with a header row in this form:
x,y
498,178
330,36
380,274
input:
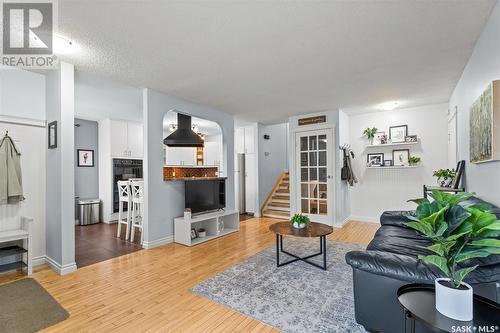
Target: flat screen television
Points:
x,y
205,195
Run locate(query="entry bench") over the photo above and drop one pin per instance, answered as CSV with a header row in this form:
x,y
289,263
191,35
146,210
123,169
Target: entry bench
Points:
x,y
15,248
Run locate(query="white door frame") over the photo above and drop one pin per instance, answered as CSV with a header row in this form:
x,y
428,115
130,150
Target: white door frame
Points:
x,y
329,132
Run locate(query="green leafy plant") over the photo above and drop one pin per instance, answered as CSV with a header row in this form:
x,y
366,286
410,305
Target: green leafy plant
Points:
x,y
458,233
413,160
300,219
370,132
444,173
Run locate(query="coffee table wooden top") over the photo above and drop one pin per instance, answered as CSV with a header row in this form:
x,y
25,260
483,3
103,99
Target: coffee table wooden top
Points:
x,y
312,230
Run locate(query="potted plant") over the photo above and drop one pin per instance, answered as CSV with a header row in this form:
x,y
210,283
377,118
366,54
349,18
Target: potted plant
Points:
x,y
445,177
370,133
299,221
458,234
413,160
202,233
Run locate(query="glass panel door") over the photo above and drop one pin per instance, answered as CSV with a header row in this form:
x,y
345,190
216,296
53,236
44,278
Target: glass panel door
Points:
x,y
314,177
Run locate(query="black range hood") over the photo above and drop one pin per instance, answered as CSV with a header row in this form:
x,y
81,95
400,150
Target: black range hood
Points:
x,y
184,136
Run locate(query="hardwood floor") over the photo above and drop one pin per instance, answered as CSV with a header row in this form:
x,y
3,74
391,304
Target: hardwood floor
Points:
x,y
98,242
148,291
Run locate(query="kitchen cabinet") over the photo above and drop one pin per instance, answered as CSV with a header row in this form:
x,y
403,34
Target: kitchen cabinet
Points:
x,y
180,155
250,183
126,139
250,136
239,140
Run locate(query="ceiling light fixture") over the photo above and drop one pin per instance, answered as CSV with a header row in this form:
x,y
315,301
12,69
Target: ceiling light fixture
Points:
x,y
63,45
173,127
387,106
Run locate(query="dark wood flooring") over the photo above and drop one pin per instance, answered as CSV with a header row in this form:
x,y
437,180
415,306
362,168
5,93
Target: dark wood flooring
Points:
x,y
98,242
244,217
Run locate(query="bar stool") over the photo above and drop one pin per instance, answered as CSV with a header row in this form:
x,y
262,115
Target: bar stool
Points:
x,y
137,187
124,195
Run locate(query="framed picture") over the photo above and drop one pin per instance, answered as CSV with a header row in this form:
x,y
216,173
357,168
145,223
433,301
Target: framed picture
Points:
x,y
85,158
400,157
376,159
194,234
380,138
387,162
411,138
52,135
398,133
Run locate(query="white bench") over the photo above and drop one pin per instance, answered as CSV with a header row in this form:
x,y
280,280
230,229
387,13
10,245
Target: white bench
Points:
x,y
23,234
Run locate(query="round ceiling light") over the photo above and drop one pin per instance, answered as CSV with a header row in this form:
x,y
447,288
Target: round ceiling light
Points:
x,y
387,106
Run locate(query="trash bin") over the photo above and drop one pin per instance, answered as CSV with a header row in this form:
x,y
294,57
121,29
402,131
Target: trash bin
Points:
x,y
89,210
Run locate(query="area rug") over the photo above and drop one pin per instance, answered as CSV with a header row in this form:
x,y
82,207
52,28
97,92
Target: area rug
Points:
x,y
293,298
27,307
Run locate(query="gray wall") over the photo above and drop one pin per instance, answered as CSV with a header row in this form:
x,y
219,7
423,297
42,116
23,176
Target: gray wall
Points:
x,y
86,178
482,68
273,157
165,200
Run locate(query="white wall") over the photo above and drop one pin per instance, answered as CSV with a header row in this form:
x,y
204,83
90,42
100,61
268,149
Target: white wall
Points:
x,y
379,190
273,157
482,68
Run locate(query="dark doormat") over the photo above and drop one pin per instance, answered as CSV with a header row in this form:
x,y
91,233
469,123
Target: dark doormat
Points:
x,y
28,307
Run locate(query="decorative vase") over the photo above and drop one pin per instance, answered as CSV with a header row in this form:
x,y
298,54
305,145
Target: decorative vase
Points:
x,y
220,226
444,181
455,303
202,234
299,226
370,140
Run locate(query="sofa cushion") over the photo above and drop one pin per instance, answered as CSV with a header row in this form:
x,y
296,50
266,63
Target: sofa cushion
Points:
x,y
399,240
396,218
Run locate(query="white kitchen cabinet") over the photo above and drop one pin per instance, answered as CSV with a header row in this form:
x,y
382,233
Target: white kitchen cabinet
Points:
x,y
239,140
250,136
250,183
180,155
126,139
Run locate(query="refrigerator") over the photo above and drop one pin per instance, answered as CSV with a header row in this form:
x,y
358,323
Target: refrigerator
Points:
x,y
240,182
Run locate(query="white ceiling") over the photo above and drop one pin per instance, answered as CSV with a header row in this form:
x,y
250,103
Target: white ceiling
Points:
x,y
205,126
267,60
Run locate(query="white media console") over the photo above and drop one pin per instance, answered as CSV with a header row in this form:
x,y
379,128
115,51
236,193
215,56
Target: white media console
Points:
x,y
216,224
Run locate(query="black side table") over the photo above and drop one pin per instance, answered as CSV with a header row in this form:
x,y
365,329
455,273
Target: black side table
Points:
x,y
419,305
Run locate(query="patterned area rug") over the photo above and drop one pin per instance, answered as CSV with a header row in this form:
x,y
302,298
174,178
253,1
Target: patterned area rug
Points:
x,y
293,298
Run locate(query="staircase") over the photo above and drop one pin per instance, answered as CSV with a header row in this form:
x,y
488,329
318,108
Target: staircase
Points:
x,y
277,204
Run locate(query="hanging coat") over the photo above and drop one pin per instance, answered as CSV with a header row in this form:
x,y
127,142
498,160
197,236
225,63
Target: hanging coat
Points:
x,y
11,188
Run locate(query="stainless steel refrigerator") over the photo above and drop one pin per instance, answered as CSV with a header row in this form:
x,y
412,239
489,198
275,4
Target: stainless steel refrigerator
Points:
x,y
240,179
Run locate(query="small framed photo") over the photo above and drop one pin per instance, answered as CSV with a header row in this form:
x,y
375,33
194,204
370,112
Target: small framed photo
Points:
x,y
85,158
411,138
398,133
387,163
194,234
52,135
380,138
400,157
374,160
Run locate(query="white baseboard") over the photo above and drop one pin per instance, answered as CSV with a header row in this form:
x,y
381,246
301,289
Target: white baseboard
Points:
x,y
342,223
60,269
36,261
364,219
158,242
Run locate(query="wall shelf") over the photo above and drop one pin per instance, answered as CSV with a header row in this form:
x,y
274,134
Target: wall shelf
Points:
x,y
394,144
395,167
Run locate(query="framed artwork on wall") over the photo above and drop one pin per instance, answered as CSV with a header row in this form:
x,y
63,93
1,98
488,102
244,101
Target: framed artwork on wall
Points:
x,y
52,135
484,122
85,158
400,157
398,133
375,159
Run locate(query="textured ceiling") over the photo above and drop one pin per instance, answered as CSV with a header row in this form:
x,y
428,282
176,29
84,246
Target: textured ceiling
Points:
x,y
267,60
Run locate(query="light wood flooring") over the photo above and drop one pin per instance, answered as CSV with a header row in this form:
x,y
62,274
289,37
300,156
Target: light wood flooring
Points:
x,y
148,290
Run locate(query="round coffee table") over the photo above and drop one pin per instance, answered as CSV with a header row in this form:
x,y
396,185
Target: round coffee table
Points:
x,y
419,303
312,230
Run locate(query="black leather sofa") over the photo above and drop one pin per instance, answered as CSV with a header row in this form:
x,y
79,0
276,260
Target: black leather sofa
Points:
x,y
390,261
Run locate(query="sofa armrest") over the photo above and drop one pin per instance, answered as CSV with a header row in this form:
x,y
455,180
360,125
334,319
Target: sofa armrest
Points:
x,y
396,217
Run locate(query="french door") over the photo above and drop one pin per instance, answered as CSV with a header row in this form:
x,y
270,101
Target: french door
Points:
x,y
315,160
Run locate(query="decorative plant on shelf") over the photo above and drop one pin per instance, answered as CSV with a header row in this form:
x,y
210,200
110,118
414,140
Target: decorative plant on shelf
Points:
x,y
370,133
458,233
445,176
414,160
300,221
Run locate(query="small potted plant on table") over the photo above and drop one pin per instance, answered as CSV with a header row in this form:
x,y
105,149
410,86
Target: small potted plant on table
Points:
x,y
370,133
445,177
299,221
458,235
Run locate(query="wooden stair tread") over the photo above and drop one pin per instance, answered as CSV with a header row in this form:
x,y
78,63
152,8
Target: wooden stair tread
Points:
x,y
276,212
282,191
280,197
279,204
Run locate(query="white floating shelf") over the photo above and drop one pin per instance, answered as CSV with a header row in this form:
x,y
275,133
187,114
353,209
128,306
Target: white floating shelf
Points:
x,y
395,167
394,144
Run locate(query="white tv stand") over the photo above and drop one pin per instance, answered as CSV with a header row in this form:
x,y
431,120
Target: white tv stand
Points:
x,y
209,222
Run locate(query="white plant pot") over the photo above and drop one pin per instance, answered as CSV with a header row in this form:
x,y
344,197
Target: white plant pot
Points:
x,y
299,226
202,234
444,181
454,303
